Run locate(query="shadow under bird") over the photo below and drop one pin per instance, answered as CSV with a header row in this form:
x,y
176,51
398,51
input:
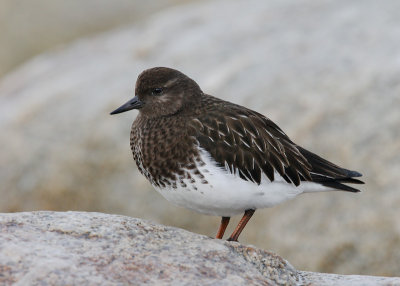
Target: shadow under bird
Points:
x,y
217,157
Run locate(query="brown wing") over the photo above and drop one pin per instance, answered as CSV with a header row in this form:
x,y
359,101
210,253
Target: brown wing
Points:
x,y
246,142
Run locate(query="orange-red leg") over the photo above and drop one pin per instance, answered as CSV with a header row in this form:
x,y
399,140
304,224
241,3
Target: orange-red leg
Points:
x,y
242,223
222,227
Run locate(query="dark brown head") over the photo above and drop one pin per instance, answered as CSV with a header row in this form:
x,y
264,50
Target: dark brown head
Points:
x,y
161,91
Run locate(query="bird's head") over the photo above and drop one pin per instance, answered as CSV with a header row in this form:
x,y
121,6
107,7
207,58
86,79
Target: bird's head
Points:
x,y
161,91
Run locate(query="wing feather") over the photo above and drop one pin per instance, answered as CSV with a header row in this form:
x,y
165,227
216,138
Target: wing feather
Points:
x,y
249,144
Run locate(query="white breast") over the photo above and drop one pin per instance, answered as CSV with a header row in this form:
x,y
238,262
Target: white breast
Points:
x,y
226,194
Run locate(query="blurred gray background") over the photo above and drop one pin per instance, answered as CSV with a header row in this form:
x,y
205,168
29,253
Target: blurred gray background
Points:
x,y
328,72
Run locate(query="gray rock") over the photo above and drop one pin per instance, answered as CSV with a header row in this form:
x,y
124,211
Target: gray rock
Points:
x,y
93,248
326,71
76,248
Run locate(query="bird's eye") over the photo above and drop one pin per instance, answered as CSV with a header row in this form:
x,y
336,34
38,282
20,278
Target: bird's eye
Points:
x,y
157,91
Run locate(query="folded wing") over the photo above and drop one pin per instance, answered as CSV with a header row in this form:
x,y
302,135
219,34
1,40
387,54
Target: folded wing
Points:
x,y
249,144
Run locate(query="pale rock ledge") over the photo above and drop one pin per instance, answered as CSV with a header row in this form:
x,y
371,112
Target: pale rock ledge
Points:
x,y
78,248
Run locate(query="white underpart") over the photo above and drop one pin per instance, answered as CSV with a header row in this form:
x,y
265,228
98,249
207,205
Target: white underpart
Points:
x,y
227,194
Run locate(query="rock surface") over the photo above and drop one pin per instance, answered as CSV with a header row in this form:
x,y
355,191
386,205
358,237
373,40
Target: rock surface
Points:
x,y
76,248
328,72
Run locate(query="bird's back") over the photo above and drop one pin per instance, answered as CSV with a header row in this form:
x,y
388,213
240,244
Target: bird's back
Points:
x,y
249,144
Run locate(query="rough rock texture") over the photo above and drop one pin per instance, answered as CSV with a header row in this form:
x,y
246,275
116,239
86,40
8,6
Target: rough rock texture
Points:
x,y
75,248
83,248
328,72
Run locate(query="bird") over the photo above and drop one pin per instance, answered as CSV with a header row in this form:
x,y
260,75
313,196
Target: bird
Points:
x,y
216,157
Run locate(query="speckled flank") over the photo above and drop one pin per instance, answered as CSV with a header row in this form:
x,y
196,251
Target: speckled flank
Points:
x,y
160,157
223,193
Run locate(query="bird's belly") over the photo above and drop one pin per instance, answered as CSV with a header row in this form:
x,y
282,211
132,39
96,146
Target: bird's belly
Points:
x,y
228,198
224,194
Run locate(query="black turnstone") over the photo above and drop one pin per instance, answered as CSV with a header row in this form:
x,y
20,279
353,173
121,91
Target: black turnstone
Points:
x,y
217,157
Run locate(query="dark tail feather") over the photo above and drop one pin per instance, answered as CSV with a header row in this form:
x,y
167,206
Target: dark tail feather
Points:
x,y
329,174
339,186
353,173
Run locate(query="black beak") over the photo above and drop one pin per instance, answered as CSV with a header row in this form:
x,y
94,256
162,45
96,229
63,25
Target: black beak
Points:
x,y
134,103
